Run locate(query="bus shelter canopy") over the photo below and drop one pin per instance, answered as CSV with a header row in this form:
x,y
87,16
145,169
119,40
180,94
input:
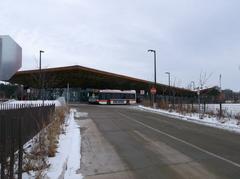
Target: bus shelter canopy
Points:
x,y
88,78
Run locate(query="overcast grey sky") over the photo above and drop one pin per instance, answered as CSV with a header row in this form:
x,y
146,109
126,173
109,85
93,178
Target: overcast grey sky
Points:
x,y
190,36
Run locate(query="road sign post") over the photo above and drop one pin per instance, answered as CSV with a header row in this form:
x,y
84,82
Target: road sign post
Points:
x,y
153,91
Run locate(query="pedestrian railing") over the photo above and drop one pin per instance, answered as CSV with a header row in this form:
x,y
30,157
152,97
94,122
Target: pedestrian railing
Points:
x,y
18,124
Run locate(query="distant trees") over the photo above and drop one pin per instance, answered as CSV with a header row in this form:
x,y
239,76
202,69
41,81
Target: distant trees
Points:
x,y
9,91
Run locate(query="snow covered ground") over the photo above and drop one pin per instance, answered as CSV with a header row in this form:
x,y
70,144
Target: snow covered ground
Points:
x,y
57,102
227,124
66,163
230,109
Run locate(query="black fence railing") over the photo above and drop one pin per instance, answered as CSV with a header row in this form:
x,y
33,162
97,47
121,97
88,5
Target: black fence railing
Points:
x,y
199,104
18,124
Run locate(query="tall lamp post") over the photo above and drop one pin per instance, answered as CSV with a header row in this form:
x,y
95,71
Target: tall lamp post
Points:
x,y
155,76
40,75
221,95
192,88
199,101
169,85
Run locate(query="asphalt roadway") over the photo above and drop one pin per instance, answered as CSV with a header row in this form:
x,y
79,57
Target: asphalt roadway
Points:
x,y
121,142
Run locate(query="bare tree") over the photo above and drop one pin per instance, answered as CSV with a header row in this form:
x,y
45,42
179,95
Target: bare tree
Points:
x,y
203,79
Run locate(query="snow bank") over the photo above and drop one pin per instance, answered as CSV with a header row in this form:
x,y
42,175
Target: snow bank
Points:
x,y
230,109
66,163
4,82
36,102
229,124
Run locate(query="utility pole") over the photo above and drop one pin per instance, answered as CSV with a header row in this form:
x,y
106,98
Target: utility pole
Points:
x,y
169,85
220,82
193,88
220,103
41,76
199,106
155,76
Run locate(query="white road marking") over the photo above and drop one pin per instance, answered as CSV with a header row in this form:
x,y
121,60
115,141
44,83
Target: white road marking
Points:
x,y
182,141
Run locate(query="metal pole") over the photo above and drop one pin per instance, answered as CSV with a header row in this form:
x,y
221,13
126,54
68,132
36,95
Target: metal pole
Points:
x,y
12,159
220,82
220,104
169,80
3,146
155,76
20,148
199,109
40,73
169,85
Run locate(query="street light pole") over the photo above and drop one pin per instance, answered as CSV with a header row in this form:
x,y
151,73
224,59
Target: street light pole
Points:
x,y
40,75
155,69
199,102
155,75
220,86
169,85
192,88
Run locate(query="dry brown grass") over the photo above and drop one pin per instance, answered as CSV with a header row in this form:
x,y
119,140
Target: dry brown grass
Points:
x,y
45,145
56,128
237,116
210,113
146,102
163,104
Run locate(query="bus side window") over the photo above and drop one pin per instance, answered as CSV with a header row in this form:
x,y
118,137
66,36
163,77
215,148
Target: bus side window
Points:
x,y
108,96
133,96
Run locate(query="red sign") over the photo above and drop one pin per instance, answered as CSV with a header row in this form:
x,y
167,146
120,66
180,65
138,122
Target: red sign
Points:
x,y
221,96
153,90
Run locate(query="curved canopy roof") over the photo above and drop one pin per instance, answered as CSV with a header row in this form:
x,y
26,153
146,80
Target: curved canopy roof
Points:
x,y
82,77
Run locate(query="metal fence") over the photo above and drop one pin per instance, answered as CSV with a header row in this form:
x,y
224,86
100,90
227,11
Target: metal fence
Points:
x,y
18,124
202,105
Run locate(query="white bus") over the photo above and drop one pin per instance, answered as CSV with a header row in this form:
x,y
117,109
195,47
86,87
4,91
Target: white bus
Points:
x,y
113,97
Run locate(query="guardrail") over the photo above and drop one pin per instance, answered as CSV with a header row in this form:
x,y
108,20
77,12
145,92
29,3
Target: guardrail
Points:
x,y
18,124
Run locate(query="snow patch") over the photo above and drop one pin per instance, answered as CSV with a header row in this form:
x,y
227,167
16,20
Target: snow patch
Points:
x,y
80,114
34,102
229,124
66,163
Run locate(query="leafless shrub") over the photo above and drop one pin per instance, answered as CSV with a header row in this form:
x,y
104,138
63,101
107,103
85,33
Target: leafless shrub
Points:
x,y
237,116
35,159
224,113
188,108
45,145
194,110
146,102
163,105
210,113
57,127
